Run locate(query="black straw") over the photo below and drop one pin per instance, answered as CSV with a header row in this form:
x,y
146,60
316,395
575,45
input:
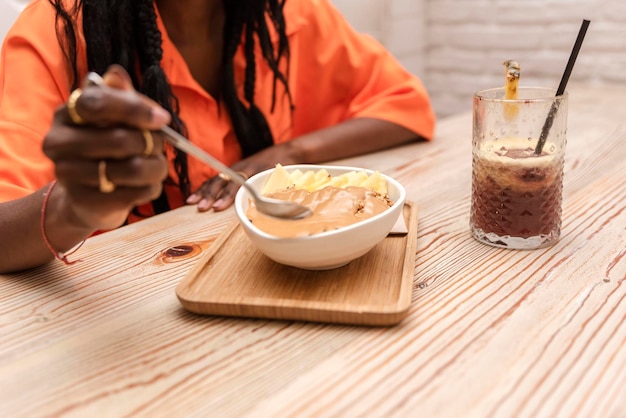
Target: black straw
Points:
x,y
568,70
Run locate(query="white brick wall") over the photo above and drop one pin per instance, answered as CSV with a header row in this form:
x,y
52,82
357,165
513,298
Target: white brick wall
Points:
x,y
468,40
457,46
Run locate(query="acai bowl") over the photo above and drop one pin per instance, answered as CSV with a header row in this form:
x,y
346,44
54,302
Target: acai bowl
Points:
x,y
328,247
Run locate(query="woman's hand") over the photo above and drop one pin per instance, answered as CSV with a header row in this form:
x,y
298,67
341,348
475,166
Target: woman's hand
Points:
x,y
106,159
218,194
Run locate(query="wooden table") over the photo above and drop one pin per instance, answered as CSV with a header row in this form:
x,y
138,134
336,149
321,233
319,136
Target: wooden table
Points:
x,y
491,332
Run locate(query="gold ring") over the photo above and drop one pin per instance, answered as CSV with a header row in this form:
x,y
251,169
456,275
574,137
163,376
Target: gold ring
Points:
x,y
242,174
147,135
71,107
106,185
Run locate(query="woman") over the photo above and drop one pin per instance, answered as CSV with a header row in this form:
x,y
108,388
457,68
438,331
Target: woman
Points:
x,y
253,82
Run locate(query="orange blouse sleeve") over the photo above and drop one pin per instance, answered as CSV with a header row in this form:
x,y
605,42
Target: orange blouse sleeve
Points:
x,y
33,83
341,74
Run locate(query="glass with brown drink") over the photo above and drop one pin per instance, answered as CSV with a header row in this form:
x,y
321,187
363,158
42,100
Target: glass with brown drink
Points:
x,y
516,185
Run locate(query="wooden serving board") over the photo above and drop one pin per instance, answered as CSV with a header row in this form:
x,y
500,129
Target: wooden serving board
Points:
x,y
234,279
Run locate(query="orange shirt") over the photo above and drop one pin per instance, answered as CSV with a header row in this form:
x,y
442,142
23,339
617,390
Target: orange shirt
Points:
x,y
335,74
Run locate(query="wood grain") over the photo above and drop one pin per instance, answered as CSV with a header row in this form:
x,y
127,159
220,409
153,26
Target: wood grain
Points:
x,y
374,289
489,332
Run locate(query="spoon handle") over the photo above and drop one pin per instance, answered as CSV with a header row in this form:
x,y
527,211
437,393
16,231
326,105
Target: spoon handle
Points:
x,y
183,144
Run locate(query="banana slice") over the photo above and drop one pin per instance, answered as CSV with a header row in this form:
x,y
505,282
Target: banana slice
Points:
x,y
279,180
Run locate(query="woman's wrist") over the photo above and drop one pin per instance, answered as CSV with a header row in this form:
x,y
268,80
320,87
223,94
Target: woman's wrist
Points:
x,y
300,150
62,226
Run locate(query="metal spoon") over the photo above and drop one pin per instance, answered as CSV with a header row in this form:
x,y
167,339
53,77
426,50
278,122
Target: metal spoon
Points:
x,y
272,207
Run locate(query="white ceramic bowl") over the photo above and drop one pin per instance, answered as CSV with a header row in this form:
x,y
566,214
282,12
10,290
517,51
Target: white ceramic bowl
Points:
x,y
326,250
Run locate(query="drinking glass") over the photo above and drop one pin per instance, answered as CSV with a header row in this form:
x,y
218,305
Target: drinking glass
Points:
x,y
516,191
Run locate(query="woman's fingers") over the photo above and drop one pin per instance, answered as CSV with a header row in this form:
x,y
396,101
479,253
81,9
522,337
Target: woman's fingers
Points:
x,y
114,103
108,121
103,106
132,172
208,193
216,193
67,142
117,78
227,197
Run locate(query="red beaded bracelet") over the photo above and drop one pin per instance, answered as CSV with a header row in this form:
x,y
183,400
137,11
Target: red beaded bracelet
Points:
x,y
57,255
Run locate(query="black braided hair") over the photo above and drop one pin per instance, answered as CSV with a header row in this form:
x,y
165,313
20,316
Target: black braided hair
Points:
x,y
249,123
154,82
125,32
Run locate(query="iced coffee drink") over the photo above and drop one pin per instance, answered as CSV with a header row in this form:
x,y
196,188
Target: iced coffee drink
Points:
x,y
516,194
516,188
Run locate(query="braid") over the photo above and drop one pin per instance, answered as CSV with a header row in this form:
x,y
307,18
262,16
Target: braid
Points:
x,y
232,30
66,33
278,19
256,119
248,86
123,39
154,82
99,53
249,123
